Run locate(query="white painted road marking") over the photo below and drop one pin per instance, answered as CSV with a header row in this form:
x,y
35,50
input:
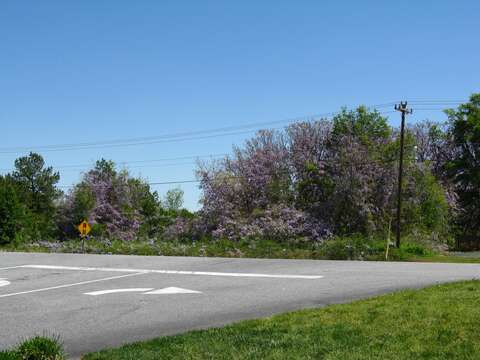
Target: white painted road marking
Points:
x,y
114,291
11,267
146,291
173,272
172,290
68,285
4,282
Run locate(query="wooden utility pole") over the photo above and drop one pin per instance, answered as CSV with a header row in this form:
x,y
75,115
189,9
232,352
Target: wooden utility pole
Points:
x,y
402,107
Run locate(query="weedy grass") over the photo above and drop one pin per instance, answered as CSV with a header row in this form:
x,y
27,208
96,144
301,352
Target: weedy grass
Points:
x,y
439,322
354,247
36,348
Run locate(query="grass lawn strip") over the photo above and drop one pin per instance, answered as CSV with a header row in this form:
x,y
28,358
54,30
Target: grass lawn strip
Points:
x,y
439,322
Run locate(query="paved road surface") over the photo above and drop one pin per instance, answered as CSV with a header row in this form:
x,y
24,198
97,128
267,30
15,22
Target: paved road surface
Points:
x,y
98,301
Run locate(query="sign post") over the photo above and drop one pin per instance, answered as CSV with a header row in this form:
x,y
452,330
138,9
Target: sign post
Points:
x,y
84,229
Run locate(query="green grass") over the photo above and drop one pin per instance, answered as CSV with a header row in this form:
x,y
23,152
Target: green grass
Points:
x,y
441,258
36,348
440,322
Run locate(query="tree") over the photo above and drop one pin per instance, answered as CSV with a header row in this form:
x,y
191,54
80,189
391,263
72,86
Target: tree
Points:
x,y
37,190
321,177
149,209
75,207
37,183
84,201
116,204
369,127
464,168
359,172
425,205
433,145
13,215
173,200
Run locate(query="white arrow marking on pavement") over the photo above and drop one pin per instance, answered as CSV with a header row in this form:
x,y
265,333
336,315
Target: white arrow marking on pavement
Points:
x,y
146,291
4,282
172,290
113,291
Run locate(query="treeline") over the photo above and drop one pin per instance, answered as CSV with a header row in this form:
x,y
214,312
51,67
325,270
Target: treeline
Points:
x,y
338,177
305,183
118,206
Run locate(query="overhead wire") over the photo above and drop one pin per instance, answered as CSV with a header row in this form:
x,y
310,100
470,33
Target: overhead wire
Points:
x,y
167,159
174,137
191,135
124,163
183,137
172,182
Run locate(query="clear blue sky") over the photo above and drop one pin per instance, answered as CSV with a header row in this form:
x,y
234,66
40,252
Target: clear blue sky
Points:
x,y
79,71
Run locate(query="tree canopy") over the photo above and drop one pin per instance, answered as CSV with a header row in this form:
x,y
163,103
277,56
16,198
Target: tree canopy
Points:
x,y
304,183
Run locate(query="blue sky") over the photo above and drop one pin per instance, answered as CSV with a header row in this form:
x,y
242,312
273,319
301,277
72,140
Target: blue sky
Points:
x,y
73,72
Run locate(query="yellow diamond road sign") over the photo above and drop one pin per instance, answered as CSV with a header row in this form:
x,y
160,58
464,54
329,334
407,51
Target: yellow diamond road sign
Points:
x,y
84,228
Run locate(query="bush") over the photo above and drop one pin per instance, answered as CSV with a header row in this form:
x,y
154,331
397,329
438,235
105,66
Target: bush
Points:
x,y
37,348
355,247
425,207
9,355
98,230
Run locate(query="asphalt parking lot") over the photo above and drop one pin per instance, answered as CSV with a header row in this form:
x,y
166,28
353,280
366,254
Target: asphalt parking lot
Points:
x,y
98,301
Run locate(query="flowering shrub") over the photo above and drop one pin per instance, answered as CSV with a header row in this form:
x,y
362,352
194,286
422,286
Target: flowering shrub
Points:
x,y
276,223
108,198
315,179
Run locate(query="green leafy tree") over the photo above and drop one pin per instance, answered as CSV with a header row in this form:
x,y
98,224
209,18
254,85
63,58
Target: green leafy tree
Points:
x,y
425,206
360,148
73,208
83,203
464,168
173,200
369,127
38,190
105,169
149,209
13,215
147,203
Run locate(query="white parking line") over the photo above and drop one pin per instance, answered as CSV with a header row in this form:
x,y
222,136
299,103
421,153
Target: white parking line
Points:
x,y
174,272
69,285
11,267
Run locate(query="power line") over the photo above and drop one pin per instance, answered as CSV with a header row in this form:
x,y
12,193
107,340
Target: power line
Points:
x,y
173,182
174,137
191,135
122,163
148,183
121,145
156,160
442,101
287,171
192,156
